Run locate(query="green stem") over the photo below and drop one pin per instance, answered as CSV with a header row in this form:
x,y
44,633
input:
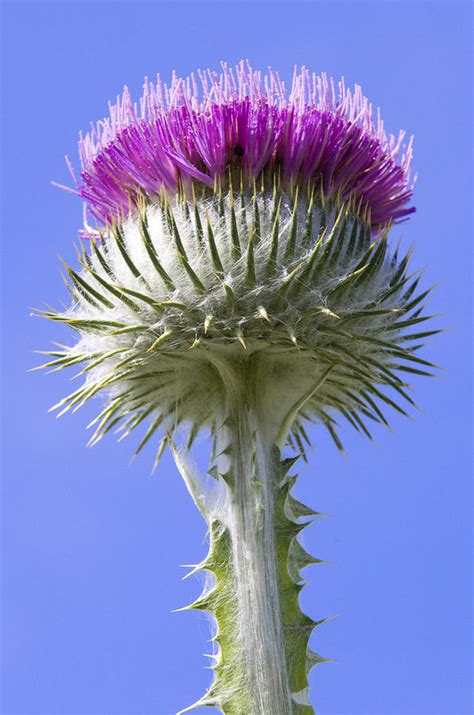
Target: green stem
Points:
x,y
252,527
263,661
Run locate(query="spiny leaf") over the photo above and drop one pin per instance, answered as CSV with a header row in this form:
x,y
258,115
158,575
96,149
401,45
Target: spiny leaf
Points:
x,y
103,357
159,340
386,399
420,336
231,298
83,324
397,276
374,406
273,254
412,370
314,659
153,256
413,303
300,444
291,414
343,284
256,219
291,240
100,257
376,258
313,258
161,447
61,362
115,291
216,260
120,241
197,283
250,276
358,314
197,220
140,296
85,288
149,433
130,329
401,324
177,238
135,420
361,423
234,232
334,436
308,226
352,239
285,284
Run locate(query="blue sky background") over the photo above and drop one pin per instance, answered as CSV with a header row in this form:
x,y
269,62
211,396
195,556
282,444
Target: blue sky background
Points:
x,y
91,546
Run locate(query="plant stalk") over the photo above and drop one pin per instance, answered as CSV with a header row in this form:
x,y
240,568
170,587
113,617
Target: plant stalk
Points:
x,y
263,659
253,532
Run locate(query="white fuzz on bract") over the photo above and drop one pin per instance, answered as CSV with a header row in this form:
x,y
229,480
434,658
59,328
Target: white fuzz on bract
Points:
x,y
295,287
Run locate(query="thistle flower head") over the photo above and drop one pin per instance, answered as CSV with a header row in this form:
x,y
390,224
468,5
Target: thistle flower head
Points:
x,y
243,225
242,126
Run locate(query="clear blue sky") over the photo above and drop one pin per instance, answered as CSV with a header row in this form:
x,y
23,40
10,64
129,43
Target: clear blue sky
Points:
x,y
91,546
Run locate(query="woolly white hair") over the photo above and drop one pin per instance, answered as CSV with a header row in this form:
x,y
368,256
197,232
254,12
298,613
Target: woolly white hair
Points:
x,y
299,289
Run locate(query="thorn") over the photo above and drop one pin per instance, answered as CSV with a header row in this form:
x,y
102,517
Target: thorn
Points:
x,y
293,339
180,610
241,339
231,298
159,340
263,313
207,323
326,311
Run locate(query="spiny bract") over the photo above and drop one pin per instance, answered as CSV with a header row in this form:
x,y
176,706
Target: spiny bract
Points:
x,y
296,285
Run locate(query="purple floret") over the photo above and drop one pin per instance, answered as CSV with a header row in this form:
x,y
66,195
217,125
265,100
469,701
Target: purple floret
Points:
x,y
240,120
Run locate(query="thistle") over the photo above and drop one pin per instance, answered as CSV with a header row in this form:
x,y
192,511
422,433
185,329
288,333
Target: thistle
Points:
x,y
238,282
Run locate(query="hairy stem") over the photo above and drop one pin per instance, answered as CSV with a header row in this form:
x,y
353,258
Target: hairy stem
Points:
x,y
263,660
252,526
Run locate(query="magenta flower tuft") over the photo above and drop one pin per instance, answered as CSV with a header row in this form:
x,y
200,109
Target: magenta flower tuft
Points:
x,y
240,124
